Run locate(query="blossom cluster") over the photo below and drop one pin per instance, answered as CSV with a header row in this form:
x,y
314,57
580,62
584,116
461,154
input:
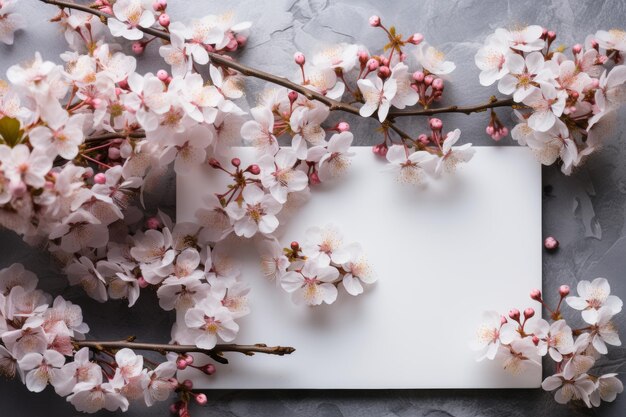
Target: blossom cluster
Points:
x,y
311,272
40,342
565,102
10,21
521,339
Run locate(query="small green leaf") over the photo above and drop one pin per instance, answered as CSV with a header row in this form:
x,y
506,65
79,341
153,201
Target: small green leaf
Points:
x,y
10,131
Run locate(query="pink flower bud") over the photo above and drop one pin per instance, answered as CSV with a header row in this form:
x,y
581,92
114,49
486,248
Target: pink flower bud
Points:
x,y
142,282
201,399
435,124
107,10
535,340
380,149
551,35
187,383
418,76
438,84
100,178
159,5
384,61
137,47
314,179
416,38
372,65
181,364
551,243
363,57
232,45
114,153
535,294
503,320
214,163
428,80
293,96
209,369
374,21
403,57
254,169
235,162
489,130
564,290
153,223
164,20
384,72
529,312
299,58
189,359
577,48
162,75
514,314
241,40
124,84
424,140
504,131
343,126
594,44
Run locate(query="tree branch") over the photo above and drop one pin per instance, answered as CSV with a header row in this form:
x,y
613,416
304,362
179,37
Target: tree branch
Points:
x,y
493,103
332,104
247,350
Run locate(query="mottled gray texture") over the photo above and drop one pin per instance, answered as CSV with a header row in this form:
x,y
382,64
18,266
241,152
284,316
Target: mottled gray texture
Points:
x,y
585,212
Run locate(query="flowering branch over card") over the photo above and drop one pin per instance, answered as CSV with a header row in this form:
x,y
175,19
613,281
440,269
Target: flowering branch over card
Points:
x,y
84,145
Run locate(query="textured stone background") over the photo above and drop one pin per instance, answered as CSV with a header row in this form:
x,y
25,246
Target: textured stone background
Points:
x,y
585,211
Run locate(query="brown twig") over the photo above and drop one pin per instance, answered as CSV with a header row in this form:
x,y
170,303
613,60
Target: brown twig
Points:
x,y
493,103
247,350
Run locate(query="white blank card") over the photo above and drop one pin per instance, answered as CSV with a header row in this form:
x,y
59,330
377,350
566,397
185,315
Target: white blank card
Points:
x,y
442,255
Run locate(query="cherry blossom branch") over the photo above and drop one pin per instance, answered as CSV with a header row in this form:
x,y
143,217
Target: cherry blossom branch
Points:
x,y
309,94
247,350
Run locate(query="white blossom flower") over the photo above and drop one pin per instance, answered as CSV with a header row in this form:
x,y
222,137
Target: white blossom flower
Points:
x,y
580,361
553,144
200,101
491,59
62,136
453,155
405,95
230,86
259,132
377,95
208,320
213,219
607,388
80,229
579,388
188,149
433,60
84,273
610,94
8,364
593,296
604,331
129,16
89,397
547,104
81,369
41,368
555,338
183,293
313,284
358,271
519,355
524,75
153,249
343,56
335,158
614,39
274,263
21,166
324,80
306,123
160,385
10,22
256,213
325,244
129,364
407,166
525,39
235,298
16,275
279,176
487,340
